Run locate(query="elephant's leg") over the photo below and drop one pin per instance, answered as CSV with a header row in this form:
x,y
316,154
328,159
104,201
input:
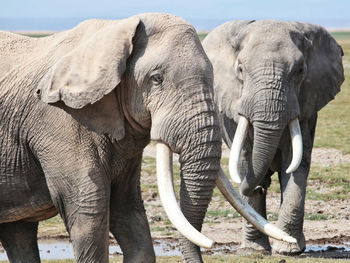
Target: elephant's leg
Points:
x,y
20,241
254,240
90,236
291,215
128,221
293,189
83,203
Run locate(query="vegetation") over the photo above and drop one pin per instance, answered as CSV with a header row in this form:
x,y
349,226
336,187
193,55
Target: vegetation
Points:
x,y
341,35
202,35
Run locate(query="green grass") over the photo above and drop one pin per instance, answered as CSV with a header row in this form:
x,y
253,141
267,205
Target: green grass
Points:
x,y
202,35
52,227
324,183
222,213
35,35
148,165
341,35
317,217
334,180
149,168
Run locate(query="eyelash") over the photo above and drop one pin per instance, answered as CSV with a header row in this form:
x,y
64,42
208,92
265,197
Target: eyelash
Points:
x,y
157,79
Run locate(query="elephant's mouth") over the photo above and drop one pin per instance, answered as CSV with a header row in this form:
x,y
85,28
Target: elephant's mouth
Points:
x,y
168,198
241,134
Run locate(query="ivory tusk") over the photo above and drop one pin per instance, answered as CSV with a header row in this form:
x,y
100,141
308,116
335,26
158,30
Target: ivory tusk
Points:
x,y
238,140
248,212
168,198
297,145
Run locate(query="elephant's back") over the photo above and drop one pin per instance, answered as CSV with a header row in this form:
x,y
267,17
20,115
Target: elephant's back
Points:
x,y
14,49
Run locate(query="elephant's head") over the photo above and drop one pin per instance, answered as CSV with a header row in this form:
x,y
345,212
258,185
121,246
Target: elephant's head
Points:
x,y
147,76
269,74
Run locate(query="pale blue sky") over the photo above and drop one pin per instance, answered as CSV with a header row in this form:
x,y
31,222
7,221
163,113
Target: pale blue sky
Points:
x,y
205,14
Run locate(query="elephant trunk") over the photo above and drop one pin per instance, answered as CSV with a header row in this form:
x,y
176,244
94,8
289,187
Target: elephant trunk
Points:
x,y
168,198
265,145
195,136
199,165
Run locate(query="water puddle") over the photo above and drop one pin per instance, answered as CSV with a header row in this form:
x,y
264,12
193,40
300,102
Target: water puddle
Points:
x,y
64,250
326,248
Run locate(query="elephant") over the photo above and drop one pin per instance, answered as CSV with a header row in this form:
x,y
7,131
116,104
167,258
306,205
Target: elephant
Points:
x,y
77,109
270,80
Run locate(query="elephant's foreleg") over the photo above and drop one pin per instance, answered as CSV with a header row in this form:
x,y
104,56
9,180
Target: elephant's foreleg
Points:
x,y
291,215
89,236
253,238
128,221
20,241
83,203
293,189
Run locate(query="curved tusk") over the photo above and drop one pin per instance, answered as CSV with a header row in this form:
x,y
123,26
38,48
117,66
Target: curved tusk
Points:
x,y
248,212
297,145
168,198
238,140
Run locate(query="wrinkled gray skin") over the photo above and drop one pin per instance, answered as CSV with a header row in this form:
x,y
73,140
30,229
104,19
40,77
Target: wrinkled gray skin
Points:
x,y
271,72
147,77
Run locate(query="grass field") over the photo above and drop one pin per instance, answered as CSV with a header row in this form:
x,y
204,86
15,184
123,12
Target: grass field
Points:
x,y
332,132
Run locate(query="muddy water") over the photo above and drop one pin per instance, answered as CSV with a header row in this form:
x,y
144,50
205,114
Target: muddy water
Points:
x,y
64,250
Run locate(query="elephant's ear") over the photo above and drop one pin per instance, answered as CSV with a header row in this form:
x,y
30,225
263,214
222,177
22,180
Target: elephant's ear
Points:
x,y
325,72
222,46
82,81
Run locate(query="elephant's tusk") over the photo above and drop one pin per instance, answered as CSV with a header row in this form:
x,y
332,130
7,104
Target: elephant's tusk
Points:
x,y
238,140
297,145
168,198
248,212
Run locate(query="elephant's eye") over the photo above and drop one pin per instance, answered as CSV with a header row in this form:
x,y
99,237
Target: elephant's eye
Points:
x,y
300,69
157,79
240,72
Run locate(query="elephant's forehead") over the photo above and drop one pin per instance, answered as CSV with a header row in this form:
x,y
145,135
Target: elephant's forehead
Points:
x,y
156,23
273,37
269,31
269,35
176,43
278,27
